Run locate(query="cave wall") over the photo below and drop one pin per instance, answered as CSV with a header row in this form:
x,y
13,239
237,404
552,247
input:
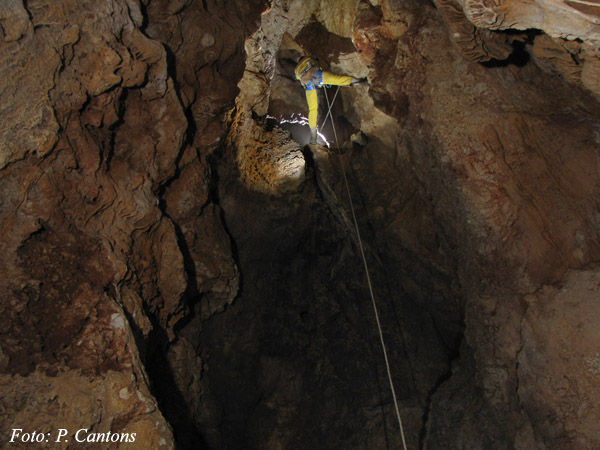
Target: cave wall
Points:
x,y
508,181
109,230
144,190
480,198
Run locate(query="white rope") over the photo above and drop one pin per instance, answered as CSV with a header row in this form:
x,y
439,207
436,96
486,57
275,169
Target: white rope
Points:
x,y
329,109
366,266
583,2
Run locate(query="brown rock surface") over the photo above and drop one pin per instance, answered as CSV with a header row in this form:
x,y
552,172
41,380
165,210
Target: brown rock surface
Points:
x,y
556,18
146,186
573,25
93,134
269,162
559,362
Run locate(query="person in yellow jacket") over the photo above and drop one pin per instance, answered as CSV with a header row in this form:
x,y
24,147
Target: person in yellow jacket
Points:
x,y
310,74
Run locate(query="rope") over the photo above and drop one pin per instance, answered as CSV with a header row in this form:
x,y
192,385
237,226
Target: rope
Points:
x,y
329,110
366,266
582,2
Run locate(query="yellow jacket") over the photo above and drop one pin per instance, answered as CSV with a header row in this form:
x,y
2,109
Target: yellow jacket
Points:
x,y
312,76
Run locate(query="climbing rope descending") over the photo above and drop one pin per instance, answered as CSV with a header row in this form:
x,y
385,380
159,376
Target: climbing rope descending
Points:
x,y
366,266
583,2
329,110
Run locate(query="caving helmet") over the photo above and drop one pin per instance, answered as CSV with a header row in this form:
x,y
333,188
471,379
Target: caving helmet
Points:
x,y
304,65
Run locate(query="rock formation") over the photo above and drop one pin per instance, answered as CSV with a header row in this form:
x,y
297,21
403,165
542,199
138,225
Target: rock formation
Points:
x,y
180,271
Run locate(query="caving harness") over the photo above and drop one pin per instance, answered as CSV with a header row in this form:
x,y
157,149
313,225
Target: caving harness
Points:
x,y
309,73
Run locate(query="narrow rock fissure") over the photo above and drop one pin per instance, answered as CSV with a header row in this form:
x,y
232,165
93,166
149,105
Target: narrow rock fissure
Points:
x,y
453,356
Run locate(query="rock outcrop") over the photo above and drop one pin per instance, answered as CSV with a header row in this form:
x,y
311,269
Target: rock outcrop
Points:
x,y
572,25
109,230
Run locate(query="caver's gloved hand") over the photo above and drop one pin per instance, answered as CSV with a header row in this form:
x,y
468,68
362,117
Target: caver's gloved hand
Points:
x,y
359,82
312,77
